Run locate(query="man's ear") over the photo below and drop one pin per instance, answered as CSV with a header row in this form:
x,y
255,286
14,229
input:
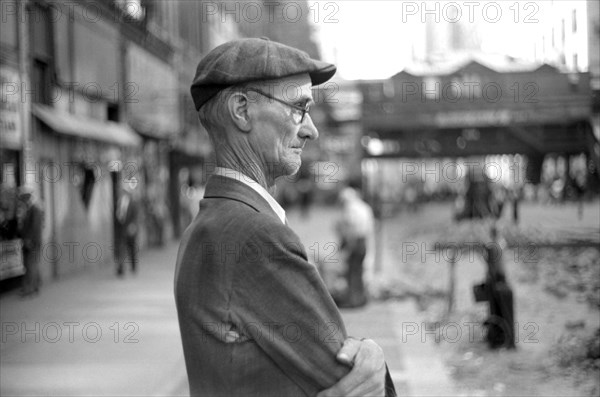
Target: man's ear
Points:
x,y
237,105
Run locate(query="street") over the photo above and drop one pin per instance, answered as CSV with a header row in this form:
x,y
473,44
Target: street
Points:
x,y
455,156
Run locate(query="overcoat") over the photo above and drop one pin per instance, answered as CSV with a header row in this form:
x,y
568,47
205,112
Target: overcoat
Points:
x,y
255,316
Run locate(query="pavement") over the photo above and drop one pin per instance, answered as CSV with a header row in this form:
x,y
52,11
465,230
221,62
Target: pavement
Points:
x,y
414,361
91,333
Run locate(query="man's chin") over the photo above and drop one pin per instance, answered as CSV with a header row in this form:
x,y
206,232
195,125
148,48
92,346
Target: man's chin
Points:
x,y
291,168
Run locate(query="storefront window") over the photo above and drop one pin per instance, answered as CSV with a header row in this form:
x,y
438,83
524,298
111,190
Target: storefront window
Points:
x,y
9,168
8,27
83,178
11,263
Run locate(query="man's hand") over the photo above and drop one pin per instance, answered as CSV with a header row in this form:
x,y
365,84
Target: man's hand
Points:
x,y
367,377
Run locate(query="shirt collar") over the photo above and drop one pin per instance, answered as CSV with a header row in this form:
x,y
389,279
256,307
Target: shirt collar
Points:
x,y
238,176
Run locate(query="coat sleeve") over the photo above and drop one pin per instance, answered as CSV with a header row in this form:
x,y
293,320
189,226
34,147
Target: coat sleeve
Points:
x,y
283,304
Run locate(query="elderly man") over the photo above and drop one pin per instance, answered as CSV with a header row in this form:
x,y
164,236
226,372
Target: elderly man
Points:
x,y
255,316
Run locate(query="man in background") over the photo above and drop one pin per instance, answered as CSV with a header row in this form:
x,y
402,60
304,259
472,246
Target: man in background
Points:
x,y
30,222
355,229
127,220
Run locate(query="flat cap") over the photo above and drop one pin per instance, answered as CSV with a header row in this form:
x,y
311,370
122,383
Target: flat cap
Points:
x,y
246,60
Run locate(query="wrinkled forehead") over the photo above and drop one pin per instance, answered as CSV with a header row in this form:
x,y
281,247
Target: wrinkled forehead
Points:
x,y
292,89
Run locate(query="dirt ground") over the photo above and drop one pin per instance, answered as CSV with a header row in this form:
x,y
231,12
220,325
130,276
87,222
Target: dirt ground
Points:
x,y
557,310
556,297
557,351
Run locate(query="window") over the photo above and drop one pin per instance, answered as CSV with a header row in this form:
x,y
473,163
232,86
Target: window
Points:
x,y
388,89
41,31
112,112
543,46
41,51
375,91
8,25
83,177
41,82
9,168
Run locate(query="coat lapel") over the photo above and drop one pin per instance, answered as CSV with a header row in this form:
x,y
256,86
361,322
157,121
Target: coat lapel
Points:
x,y
222,187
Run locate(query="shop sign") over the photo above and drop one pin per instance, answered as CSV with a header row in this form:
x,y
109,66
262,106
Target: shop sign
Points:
x,y
10,109
11,259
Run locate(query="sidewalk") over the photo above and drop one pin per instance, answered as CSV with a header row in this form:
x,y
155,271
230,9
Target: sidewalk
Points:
x,y
414,361
94,334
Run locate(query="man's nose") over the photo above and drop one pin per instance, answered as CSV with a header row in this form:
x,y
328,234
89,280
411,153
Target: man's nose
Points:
x,y
308,129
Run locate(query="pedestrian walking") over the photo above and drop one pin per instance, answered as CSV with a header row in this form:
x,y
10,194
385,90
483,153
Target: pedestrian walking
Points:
x,y
127,231
30,222
254,314
479,201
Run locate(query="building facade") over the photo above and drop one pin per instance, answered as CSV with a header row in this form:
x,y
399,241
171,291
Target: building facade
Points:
x,y
73,141
92,101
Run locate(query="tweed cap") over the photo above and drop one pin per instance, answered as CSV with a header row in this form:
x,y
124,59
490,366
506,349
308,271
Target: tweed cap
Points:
x,y
246,60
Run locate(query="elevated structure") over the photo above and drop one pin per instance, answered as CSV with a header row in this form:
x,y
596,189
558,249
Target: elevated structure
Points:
x,y
478,108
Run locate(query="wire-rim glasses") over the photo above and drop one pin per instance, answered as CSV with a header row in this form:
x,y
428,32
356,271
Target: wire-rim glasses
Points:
x,y
298,115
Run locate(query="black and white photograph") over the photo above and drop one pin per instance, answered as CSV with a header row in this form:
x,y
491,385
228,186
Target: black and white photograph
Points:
x,y
356,198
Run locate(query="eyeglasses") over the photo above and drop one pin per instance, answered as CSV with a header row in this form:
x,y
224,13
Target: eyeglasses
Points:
x,y
298,112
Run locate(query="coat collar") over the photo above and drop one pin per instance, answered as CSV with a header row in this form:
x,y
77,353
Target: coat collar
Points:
x,y
229,188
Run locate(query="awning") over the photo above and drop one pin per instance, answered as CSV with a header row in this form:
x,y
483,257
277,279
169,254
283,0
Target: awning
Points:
x,y
153,126
85,127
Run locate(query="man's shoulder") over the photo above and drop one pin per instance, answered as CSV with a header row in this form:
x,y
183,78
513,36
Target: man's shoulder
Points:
x,y
223,225
226,214
231,209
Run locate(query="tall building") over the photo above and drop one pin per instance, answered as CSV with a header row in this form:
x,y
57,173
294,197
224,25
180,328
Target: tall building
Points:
x,y
563,35
444,39
593,13
64,65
